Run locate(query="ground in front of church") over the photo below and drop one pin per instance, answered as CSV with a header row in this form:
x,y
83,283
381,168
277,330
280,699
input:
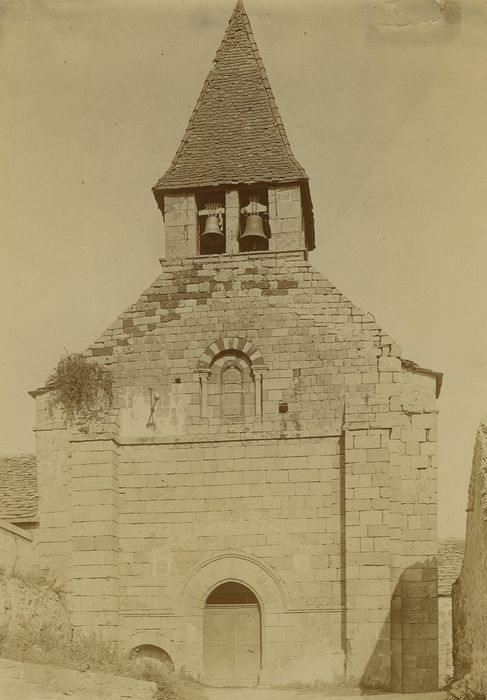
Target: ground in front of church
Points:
x,y
332,693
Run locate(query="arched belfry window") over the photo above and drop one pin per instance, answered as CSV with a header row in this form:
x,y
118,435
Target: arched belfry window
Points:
x,y
232,396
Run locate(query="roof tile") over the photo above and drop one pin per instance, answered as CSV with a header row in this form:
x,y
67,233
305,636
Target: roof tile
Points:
x,y
18,488
235,134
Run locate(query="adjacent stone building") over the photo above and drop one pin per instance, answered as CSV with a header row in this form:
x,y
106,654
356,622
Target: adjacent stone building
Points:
x,y
470,591
260,504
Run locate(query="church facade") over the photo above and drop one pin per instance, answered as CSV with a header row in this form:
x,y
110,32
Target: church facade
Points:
x,y
260,505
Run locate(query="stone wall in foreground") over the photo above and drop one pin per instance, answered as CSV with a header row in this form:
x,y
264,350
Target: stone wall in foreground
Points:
x,y
19,681
470,593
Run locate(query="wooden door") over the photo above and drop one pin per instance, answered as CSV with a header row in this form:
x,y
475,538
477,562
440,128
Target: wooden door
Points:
x,y
232,645
247,648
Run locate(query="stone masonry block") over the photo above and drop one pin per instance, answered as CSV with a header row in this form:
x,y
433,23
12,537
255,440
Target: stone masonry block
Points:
x,y
424,420
389,364
367,441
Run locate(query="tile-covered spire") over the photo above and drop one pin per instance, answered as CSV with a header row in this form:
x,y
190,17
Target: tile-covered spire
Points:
x,y
235,135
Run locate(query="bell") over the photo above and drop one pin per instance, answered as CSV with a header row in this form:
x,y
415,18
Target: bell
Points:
x,y
212,235
254,238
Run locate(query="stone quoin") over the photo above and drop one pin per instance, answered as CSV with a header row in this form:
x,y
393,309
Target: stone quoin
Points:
x,y
260,505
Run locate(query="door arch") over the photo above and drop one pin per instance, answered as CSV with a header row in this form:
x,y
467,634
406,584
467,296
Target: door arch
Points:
x,y
232,636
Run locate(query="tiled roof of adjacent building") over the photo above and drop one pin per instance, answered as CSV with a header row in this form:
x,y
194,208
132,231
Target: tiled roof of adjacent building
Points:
x,y
450,558
18,488
235,134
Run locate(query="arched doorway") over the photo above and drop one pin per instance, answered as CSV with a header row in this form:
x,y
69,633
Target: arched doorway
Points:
x,y
232,636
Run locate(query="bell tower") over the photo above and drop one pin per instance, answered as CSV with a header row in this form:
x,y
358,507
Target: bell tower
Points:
x,y
234,185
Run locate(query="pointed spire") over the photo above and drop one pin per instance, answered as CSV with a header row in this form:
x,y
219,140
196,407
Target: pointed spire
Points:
x,y
235,134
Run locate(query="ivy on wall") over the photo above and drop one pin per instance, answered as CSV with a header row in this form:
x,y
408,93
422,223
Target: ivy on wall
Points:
x,y
82,388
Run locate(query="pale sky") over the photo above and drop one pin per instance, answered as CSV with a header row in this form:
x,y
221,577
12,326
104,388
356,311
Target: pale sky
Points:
x,y
385,106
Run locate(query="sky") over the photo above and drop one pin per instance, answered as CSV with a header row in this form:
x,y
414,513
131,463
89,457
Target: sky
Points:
x,y
384,103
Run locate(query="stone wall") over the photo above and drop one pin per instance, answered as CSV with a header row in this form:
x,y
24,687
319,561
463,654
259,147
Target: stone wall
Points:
x,y
20,681
94,575
286,218
323,494
265,506
414,610
17,552
180,225
450,559
54,479
445,643
470,593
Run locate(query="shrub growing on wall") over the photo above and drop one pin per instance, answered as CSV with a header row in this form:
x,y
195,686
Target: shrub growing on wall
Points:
x,y
81,388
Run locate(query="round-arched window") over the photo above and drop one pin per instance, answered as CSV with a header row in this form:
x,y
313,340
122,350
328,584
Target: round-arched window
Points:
x,y
232,392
